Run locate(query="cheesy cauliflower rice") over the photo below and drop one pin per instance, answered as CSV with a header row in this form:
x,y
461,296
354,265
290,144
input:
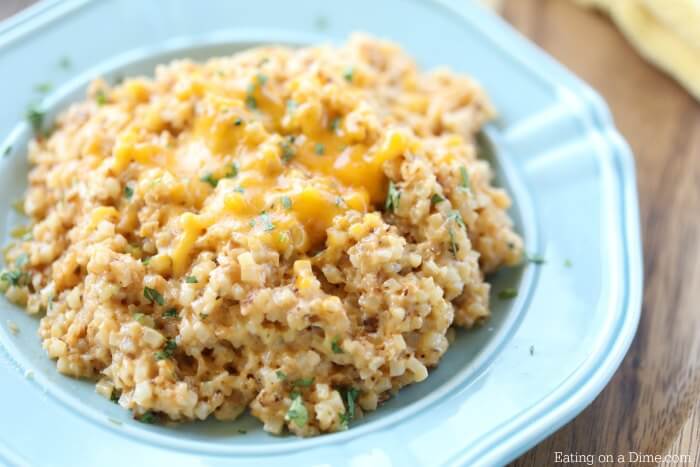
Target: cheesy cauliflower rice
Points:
x,y
289,231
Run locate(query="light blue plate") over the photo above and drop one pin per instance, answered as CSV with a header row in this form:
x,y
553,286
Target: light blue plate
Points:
x,y
500,389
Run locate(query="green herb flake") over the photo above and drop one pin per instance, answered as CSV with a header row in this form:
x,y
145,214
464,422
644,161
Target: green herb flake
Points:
x,y
238,121
303,382
167,351
286,202
335,124
35,116
297,412
261,79
232,171
191,280
114,397
463,178
568,263
251,102
350,397
281,375
147,417
436,199
146,260
393,198
128,192
239,189
535,258
242,431
139,317
17,278
21,260
153,296
340,202
335,345
209,178
101,97
170,313
64,63
508,293
287,151
321,23
319,149
43,87
291,105
349,74
454,246
456,217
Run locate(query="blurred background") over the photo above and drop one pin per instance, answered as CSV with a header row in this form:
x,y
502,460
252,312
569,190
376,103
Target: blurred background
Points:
x,y
643,56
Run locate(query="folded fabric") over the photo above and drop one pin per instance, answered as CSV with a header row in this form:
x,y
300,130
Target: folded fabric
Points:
x,y
665,32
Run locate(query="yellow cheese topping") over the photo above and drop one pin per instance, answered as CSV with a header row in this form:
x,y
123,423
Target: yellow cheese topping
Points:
x,y
272,155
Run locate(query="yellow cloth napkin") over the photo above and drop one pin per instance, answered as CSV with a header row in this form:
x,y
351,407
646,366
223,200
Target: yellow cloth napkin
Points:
x,y
665,32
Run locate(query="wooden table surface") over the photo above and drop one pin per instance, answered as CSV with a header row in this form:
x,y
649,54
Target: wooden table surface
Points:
x,y
652,404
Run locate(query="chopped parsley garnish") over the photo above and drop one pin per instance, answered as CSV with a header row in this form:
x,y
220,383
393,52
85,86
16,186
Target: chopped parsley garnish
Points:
x,y
507,294
14,277
454,246
319,149
232,171
291,105
128,192
139,317
350,397
335,345
281,375
568,263
43,87
238,121
286,202
153,296
114,397
21,260
349,74
147,417
297,412
535,258
101,97
303,382
170,313
266,222
463,178
167,351
287,151
242,431
7,151
456,217
146,260
261,79
209,178
35,118
393,198
335,123
251,102
64,63
321,23
191,280
436,199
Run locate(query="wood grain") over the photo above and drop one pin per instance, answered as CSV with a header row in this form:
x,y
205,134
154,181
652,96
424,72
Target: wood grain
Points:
x,y
650,406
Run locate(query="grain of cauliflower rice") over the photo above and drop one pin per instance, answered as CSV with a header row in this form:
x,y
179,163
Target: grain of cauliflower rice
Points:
x,y
290,231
